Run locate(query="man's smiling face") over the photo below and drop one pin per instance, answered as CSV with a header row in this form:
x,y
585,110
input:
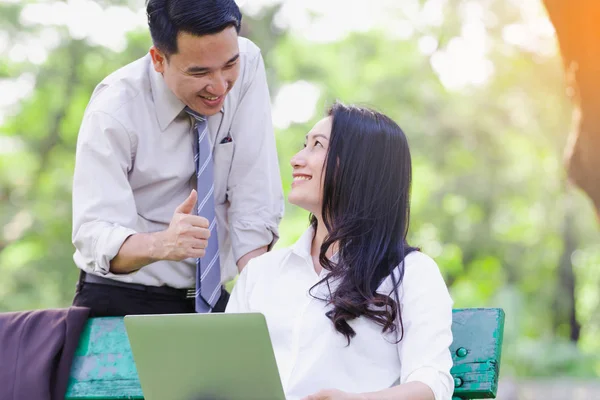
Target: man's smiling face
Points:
x,y
203,70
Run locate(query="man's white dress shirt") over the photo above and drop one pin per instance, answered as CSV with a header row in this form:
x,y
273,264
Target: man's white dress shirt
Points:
x,y
135,165
311,355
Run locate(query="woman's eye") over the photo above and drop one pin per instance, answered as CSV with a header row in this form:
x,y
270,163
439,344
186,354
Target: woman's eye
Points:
x,y
317,143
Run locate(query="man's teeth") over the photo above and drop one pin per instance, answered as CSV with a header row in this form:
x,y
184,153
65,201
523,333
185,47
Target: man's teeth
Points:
x,y
301,178
211,98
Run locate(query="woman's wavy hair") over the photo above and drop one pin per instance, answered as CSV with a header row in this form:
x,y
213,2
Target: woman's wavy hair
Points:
x,y
366,210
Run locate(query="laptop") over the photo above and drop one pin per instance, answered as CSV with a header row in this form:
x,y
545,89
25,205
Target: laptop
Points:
x,y
204,357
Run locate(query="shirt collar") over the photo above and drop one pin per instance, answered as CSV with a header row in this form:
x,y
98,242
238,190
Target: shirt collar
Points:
x,y
167,105
302,249
303,244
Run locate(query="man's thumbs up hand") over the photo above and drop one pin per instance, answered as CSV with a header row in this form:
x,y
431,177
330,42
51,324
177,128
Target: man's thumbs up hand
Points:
x,y
187,234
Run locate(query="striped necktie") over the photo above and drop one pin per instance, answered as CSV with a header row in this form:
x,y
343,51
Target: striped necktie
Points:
x,y
208,268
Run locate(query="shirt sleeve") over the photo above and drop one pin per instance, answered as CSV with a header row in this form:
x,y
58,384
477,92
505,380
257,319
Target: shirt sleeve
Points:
x,y
426,311
104,209
254,188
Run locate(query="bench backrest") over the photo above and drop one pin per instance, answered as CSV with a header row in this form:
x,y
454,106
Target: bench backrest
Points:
x,y
103,367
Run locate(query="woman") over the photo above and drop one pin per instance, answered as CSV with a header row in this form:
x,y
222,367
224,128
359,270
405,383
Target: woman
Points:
x,y
353,312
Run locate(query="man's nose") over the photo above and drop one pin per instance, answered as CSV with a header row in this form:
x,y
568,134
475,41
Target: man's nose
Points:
x,y
218,86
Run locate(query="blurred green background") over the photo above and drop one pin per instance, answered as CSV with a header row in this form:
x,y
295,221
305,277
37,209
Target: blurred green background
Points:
x,y
477,86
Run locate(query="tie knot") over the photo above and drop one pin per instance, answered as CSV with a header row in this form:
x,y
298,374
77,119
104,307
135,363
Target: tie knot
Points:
x,y
194,114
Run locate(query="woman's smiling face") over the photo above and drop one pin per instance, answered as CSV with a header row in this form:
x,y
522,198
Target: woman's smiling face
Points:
x,y
308,168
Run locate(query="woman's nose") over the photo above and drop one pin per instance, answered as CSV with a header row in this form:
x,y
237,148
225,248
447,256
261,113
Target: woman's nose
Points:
x,y
297,161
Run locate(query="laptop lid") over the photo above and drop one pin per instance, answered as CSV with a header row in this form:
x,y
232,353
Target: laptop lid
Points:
x,y
204,357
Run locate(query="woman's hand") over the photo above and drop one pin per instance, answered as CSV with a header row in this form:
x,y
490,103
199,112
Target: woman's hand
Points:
x,y
334,394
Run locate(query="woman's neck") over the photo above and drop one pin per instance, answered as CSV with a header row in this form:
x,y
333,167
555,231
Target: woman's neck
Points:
x,y
315,249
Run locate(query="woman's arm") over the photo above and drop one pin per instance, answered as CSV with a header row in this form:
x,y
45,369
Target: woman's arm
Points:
x,y
408,391
405,391
424,350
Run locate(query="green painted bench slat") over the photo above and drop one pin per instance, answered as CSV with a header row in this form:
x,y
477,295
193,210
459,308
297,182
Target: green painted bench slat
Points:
x,y
104,369
476,349
103,366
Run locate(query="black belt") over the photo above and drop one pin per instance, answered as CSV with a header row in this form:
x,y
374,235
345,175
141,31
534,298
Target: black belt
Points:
x,y
164,290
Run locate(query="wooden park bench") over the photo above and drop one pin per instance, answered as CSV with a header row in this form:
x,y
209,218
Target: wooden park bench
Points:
x,y
103,367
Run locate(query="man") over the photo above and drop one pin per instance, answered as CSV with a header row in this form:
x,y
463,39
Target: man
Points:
x,y
176,176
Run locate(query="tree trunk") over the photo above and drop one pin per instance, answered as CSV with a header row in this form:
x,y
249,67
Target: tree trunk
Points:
x,y
578,33
565,311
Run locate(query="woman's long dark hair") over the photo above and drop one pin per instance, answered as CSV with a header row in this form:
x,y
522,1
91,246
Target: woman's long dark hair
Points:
x,y
366,209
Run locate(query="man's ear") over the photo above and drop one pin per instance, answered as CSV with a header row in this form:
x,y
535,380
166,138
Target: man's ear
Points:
x,y
158,59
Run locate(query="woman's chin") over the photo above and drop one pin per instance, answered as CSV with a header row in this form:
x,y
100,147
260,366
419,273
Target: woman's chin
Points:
x,y
294,200
303,203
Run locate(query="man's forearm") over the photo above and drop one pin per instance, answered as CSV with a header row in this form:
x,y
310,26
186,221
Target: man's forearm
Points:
x,y
250,255
142,249
137,251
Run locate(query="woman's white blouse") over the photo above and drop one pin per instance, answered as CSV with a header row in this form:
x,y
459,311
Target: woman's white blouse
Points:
x,y
311,355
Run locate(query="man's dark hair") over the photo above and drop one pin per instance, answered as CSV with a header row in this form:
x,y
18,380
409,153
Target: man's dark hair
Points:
x,y
167,18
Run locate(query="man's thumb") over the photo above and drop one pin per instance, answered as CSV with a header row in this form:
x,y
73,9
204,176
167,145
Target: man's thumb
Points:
x,y
188,204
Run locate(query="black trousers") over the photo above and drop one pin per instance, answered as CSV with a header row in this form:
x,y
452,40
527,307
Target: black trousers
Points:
x,y
116,301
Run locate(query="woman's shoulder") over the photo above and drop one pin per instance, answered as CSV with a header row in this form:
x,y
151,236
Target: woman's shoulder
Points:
x,y
273,257
267,262
416,260
419,266
418,269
